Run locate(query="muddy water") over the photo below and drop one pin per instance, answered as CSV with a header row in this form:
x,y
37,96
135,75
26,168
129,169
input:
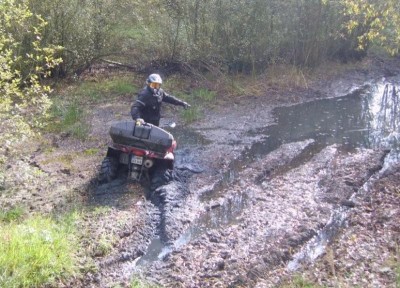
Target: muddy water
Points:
x,y
367,118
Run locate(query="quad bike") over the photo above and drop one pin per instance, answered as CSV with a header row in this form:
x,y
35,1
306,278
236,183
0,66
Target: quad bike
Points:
x,y
142,150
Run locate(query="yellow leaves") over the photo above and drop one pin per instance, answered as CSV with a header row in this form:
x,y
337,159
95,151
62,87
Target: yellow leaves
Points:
x,y
377,23
386,13
352,7
351,25
379,19
369,11
23,101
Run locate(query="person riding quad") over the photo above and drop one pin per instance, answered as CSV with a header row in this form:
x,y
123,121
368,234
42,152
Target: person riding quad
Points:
x,y
147,107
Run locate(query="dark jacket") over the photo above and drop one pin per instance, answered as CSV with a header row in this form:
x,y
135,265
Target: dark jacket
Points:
x,y
148,105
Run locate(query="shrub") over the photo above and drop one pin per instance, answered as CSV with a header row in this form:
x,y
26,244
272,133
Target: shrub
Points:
x,y
24,62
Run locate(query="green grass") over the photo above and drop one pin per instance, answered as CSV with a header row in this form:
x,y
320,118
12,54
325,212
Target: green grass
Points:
x,y
68,118
70,105
103,90
91,151
36,252
190,115
297,281
104,245
137,283
204,94
11,215
100,210
199,99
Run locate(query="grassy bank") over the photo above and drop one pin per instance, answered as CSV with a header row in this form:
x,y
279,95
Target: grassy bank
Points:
x,y
72,102
36,251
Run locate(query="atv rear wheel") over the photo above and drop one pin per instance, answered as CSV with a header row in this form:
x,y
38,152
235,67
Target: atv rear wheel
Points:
x,y
160,176
108,170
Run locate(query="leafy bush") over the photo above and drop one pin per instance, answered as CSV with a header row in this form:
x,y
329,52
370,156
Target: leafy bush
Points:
x,y
378,21
24,62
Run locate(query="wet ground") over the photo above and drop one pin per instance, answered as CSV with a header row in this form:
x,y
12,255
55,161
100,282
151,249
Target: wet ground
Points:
x,y
263,188
292,186
257,190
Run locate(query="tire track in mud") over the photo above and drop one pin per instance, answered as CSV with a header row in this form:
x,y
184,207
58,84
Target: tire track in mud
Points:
x,y
230,208
146,219
221,211
167,199
135,223
285,210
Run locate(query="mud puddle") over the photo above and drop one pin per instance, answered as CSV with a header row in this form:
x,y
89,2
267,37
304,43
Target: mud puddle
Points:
x,y
342,121
367,118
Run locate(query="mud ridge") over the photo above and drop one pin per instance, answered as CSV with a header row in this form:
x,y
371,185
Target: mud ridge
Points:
x,y
169,198
285,224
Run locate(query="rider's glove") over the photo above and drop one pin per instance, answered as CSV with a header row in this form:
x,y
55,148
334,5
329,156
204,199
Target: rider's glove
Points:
x,y
185,105
139,121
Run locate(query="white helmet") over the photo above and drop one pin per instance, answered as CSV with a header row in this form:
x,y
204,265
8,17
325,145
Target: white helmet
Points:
x,y
154,78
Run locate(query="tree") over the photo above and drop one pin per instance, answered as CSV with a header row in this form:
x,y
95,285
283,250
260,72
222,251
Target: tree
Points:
x,y
24,62
80,27
380,21
250,35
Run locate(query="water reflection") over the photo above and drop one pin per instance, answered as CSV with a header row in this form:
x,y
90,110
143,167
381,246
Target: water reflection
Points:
x,y
330,121
364,119
382,113
379,117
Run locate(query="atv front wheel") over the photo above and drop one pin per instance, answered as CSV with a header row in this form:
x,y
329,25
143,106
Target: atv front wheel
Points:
x,y
108,170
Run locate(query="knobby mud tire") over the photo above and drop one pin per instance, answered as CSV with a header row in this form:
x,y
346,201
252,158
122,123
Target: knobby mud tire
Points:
x,y
161,176
108,170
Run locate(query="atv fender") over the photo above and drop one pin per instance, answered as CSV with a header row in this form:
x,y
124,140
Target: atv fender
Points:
x,y
112,152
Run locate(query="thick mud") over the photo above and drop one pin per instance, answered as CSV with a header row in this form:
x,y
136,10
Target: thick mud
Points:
x,y
281,214
263,188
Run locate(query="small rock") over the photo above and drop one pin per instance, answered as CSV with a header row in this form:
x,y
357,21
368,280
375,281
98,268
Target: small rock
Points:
x,y
224,254
348,203
221,265
385,270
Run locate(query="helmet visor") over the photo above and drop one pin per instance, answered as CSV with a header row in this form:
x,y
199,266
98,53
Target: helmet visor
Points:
x,y
155,85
